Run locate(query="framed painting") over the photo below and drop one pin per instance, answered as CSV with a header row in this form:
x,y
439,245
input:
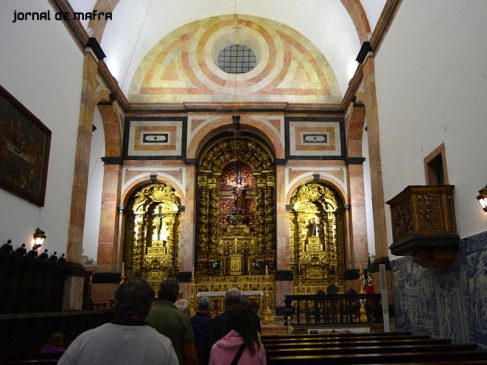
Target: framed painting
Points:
x,y
24,150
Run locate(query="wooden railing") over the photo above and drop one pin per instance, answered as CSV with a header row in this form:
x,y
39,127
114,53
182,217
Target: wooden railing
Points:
x,y
332,309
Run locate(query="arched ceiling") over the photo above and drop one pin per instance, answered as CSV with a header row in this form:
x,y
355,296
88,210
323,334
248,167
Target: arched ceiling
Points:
x,y
335,27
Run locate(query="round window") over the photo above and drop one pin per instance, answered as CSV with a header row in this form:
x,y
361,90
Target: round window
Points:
x,y
237,59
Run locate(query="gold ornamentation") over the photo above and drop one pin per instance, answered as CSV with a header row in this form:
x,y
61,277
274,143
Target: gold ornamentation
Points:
x,y
236,198
317,238
152,233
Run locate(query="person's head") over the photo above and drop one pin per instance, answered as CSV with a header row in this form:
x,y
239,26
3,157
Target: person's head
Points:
x,y
56,339
133,299
182,304
169,290
240,320
232,297
204,304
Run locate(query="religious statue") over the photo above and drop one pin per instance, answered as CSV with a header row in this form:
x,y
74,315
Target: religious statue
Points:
x,y
312,228
240,193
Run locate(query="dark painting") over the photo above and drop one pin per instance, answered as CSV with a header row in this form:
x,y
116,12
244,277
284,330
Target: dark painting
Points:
x,y
24,150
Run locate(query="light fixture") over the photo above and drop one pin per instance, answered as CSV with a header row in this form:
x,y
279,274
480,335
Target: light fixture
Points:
x,y
39,237
482,198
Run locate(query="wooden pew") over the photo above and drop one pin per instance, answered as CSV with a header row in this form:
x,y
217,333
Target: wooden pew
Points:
x,y
326,343
441,357
338,350
337,334
318,338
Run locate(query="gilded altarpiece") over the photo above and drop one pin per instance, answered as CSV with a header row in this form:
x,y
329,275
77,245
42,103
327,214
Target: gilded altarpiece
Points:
x,y
317,238
152,233
236,239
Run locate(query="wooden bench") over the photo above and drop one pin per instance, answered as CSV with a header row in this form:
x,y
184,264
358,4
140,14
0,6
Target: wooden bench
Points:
x,y
381,358
324,344
337,350
318,338
338,334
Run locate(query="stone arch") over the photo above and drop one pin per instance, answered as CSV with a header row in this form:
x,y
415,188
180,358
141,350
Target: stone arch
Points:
x,y
220,124
309,178
112,128
145,179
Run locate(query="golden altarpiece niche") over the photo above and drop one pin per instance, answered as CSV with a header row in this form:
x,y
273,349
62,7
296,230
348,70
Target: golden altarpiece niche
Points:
x,y
317,238
236,219
152,233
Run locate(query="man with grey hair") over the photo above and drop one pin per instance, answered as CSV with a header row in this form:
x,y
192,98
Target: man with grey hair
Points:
x,y
128,339
201,323
219,324
167,319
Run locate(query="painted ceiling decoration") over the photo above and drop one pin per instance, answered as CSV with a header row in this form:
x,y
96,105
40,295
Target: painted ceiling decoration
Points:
x,y
183,66
330,31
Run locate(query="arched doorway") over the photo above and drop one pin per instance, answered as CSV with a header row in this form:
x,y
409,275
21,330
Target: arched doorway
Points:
x,y
235,208
152,233
317,238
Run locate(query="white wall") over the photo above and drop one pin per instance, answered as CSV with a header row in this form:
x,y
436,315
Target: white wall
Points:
x,y
95,189
42,67
431,79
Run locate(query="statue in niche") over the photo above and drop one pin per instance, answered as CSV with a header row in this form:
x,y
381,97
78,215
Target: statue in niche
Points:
x,y
240,194
313,228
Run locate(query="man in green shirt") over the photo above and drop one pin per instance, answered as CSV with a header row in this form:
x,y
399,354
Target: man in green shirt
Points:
x,y
171,322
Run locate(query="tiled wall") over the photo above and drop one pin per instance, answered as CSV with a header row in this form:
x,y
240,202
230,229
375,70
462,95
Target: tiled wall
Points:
x,y
449,303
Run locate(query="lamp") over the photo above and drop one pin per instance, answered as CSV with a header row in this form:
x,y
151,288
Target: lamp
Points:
x,y
482,198
39,237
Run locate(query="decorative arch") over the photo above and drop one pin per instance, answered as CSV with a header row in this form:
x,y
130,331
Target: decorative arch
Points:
x,y
334,183
317,244
152,233
211,126
143,179
235,207
183,67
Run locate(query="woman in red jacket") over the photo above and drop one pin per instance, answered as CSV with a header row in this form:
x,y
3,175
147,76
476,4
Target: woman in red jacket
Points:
x,y
240,345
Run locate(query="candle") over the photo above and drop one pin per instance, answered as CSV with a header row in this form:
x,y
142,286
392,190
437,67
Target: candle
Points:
x,y
192,272
235,245
266,270
123,267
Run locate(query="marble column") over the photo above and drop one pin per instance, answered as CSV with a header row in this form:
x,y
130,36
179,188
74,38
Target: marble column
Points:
x,y
188,223
369,98
72,299
283,252
108,245
358,247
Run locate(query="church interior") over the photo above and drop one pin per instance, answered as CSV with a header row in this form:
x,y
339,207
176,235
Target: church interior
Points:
x,y
285,148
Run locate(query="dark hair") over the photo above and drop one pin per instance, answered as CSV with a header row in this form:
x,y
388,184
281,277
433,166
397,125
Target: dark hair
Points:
x,y
232,297
240,320
133,297
169,290
204,304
